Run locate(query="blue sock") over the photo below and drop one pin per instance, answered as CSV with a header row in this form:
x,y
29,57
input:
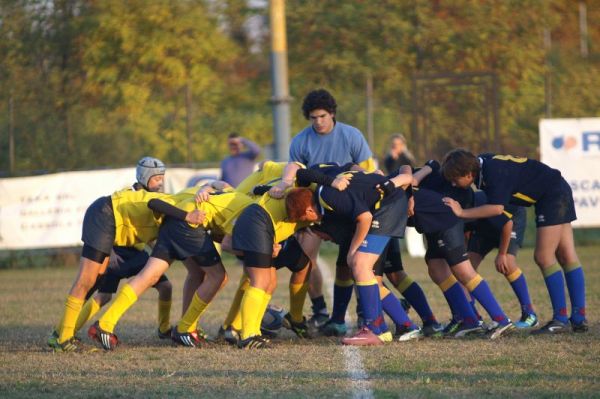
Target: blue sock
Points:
x,y
318,305
480,289
393,308
341,298
370,303
474,307
519,286
555,283
416,297
460,305
576,286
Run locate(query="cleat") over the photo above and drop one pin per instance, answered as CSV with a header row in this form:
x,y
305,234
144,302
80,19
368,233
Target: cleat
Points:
x,y
500,330
254,342
580,327
451,327
190,339
552,327
366,337
404,333
464,330
300,328
53,339
230,335
317,320
70,345
164,335
108,340
433,329
386,337
528,320
333,329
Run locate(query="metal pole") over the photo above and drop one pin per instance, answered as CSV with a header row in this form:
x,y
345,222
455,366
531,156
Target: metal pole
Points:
x,y
279,81
369,94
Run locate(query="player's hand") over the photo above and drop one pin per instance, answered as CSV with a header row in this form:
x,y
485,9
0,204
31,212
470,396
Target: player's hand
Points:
x,y
501,263
434,165
340,183
454,205
276,249
388,188
203,194
279,190
411,207
195,217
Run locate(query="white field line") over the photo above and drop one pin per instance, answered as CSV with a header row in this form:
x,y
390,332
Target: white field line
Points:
x,y
360,384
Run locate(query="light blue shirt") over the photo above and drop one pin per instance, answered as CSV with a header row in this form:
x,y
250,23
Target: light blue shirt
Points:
x,y
343,144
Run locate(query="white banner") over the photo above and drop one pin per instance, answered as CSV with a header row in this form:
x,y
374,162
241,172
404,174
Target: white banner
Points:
x,y
573,147
47,211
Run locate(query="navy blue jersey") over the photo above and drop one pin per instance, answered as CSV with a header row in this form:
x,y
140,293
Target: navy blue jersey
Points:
x,y
435,181
360,196
430,213
519,181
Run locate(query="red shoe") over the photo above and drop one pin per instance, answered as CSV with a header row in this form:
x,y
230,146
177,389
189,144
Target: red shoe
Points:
x,y
364,337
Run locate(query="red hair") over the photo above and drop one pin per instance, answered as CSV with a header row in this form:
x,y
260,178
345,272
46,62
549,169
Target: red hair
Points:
x,y
297,201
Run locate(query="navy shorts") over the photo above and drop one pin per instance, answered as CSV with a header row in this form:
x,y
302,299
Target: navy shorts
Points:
x,y
291,256
390,219
254,235
177,240
390,260
124,262
556,206
448,245
99,227
482,242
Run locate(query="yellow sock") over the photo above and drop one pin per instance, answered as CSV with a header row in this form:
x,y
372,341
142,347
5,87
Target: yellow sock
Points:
x,y
297,297
164,315
123,301
67,325
89,309
261,313
234,317
251,305
189,320
404,284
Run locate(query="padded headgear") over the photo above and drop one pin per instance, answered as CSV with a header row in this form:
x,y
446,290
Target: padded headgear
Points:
x,y
148,167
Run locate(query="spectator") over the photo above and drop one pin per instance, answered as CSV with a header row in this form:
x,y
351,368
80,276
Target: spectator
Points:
x,y
239,164
398,154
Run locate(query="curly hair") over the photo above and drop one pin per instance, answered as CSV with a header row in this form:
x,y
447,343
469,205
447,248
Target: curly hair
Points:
x,y
318,99
458,163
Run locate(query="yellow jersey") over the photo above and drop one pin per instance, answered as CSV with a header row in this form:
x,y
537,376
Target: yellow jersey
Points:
x,y
135,223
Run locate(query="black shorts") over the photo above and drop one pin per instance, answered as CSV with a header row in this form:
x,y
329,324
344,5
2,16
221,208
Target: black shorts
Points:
x,y
556,206
390,260
483,242
99,227
390,219
124,262
448,245
291,256
177,240
254,235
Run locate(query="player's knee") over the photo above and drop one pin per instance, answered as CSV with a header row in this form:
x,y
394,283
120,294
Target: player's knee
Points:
x,y
543,260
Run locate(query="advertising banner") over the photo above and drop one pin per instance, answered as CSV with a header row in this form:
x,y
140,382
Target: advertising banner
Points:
x,y
573,147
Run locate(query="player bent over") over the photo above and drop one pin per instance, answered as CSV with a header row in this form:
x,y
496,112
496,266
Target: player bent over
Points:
x,y
522,181
505,232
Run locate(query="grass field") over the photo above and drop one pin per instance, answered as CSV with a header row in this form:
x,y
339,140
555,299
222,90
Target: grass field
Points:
x,y
144,366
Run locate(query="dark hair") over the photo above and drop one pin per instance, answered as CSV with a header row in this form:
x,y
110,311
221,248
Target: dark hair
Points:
x,y
297,201
458,163
318,99
233,135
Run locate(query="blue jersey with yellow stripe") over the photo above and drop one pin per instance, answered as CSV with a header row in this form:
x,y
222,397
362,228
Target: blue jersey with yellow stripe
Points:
x,y
515,180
